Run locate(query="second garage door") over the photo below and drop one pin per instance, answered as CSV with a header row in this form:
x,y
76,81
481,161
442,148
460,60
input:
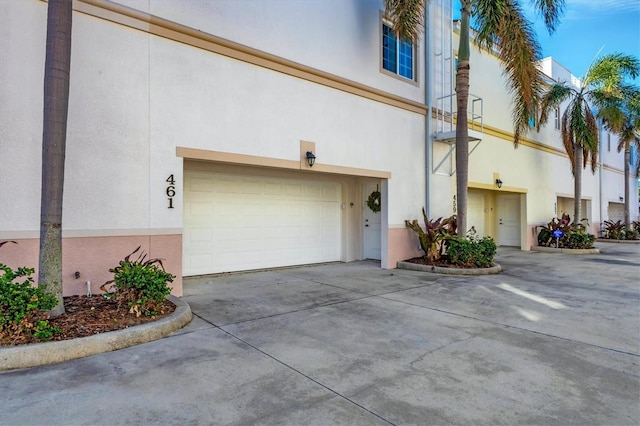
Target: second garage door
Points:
x,y
242,222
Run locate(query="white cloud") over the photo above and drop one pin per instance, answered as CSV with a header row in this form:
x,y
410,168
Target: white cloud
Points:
x,y
580,9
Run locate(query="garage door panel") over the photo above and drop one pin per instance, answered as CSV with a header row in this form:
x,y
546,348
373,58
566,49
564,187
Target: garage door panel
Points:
x,y
249,222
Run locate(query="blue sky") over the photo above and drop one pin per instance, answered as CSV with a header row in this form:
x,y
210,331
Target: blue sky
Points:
x,y
588,28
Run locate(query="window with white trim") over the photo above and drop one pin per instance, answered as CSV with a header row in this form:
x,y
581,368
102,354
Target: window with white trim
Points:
x,y
398,55
557,118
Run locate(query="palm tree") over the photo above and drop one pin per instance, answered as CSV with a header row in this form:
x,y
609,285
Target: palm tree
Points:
x,y
501,26
623,118
602,88
56,102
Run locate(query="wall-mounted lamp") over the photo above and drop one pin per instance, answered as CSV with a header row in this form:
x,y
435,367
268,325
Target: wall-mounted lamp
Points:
x,y
311,159
499,183
621,199
76,274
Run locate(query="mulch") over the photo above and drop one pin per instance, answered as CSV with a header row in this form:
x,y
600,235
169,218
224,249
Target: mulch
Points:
x,y
86,316
441,263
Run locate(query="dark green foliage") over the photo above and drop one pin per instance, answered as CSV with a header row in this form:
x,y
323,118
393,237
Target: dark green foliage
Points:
x,y
574,236
140,284
23,306
471,253
579,240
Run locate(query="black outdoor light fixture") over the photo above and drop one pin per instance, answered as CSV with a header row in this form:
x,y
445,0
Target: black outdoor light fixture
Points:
x,y
311,159
499,183
621,199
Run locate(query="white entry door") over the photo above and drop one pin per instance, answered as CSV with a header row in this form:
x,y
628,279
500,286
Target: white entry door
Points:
x,y
372,226
509,220
242,222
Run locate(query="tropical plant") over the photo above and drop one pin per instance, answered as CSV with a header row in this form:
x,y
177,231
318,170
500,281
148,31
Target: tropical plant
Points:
x,y
561,233
501,26
22,305
433,235
56,104
140,284
614,230
602,88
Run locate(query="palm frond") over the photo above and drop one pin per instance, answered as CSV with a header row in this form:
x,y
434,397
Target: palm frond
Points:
x,y
502,24
567,139
551,100
406,17
551,10
591,143
608,72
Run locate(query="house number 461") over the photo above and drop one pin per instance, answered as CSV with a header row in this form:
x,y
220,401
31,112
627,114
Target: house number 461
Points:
x,y
171,190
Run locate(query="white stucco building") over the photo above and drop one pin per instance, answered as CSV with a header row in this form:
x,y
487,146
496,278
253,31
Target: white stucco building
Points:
x,y
190,122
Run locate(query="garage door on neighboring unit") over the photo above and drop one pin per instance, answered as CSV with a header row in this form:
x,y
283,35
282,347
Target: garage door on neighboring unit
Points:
x,y
242,222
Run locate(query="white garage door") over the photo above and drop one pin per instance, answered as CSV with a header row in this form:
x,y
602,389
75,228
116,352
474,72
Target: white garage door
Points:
x,y
239,222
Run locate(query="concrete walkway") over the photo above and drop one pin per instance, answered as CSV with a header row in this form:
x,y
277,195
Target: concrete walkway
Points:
x,y
554,339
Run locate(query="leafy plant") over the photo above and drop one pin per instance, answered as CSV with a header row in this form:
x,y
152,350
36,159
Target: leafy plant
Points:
x,y
614,230
579,240
140,284
631,234
22,306
561,233
471,252
434,234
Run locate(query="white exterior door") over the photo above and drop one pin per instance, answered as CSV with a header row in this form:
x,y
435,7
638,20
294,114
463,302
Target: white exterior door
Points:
x,y
240,222
509,220
371,222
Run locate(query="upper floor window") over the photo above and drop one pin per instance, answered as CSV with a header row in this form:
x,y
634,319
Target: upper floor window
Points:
x,y
397,54
557,118
608,142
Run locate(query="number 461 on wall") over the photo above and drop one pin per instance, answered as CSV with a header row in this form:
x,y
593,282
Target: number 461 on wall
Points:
x,y
171,190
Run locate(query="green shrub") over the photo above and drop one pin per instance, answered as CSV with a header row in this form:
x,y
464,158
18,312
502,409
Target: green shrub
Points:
x,y
579,240
23,306
471,253
140,284
631,234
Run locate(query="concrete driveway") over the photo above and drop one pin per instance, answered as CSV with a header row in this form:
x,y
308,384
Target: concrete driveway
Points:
x,y
555,339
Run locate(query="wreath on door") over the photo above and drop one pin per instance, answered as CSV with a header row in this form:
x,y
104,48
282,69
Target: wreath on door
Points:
x,y
374,202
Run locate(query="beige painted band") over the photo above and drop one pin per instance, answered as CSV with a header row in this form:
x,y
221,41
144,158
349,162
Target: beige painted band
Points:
x,y
493,187
82,233
154,25
251,160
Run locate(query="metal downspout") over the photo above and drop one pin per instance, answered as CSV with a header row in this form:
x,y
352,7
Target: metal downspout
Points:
x,y
427,95
601,153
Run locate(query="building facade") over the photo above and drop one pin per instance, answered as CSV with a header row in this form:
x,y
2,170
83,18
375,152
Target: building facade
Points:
x,y
190,124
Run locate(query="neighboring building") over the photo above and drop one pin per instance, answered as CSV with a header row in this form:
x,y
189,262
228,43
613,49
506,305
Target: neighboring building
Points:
x,y
190,122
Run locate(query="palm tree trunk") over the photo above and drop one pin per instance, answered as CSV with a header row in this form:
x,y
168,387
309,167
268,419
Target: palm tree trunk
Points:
x,y
56,102
577,183
462,130
627,172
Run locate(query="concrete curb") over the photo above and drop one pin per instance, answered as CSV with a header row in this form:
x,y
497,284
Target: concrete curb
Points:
x,y
495,269
607,240
25,356
564,250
